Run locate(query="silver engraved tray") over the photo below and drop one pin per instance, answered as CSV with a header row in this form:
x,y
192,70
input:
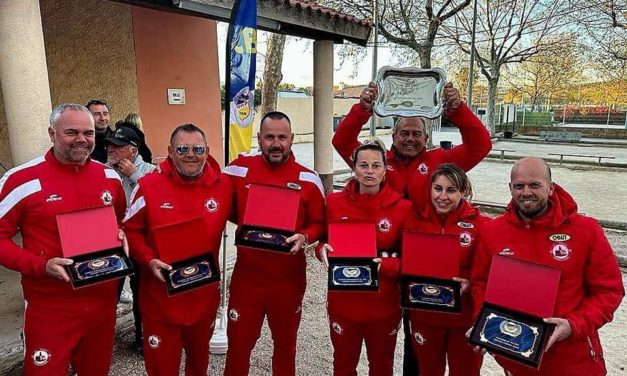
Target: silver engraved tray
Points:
x,y
410,92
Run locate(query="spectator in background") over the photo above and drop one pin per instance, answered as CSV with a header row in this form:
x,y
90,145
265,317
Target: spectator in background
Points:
x,y
99,109
134,121
124,159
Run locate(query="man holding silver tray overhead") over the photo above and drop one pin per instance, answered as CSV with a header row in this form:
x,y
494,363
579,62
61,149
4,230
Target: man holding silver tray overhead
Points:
x,y
174,225
542,226
271,283
62,325
409,163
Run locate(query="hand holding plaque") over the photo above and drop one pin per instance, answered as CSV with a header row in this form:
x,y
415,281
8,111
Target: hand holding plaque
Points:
x,y
91,239
266,225
352,264
429,265
410,92
510,322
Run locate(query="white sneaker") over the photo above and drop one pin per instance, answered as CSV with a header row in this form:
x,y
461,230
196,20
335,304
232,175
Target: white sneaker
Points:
x,y
126,297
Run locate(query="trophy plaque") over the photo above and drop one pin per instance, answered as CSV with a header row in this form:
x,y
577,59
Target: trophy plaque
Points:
x,y
191,273
267,225
428,265
514,335
519,294
183,246
351,265
410,92
90,238
434,294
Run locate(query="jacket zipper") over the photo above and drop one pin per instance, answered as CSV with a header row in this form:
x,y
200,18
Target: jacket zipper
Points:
x,y
592,352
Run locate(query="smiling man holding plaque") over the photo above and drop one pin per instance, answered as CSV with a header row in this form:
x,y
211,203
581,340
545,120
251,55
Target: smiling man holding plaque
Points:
x,y
541,225
174,226
62,325
271,283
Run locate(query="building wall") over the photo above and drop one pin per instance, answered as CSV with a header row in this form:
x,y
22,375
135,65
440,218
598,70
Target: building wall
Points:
x,y
90,53
176,51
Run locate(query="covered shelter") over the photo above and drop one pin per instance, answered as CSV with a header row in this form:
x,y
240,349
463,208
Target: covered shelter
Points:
x,y
136,54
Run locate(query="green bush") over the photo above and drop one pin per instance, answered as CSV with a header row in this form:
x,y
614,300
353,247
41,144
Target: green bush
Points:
x,y
534,118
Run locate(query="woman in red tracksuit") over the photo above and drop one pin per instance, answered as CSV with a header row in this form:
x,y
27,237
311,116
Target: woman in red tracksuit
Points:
x,y
439,336
370,316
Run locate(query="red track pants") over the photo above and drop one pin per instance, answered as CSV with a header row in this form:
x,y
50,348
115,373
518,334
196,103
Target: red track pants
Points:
x,y
52,342
347,337
250,301
435,345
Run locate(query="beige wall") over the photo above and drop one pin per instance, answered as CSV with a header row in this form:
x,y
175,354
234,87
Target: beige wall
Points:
x,y
90,53
5,150
300,111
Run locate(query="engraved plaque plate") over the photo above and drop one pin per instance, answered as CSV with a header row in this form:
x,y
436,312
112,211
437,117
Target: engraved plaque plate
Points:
x,y
410,92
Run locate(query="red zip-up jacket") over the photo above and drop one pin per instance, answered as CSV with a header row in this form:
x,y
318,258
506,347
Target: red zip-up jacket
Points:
x,y
590,287
254,169
389,212
31,196
411,177
165,198
466,222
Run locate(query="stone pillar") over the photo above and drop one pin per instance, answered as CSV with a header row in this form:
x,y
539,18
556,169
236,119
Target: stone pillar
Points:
x,y
24,77
323,112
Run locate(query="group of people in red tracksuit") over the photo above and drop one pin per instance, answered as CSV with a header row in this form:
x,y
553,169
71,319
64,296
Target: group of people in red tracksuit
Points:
x,y
407,188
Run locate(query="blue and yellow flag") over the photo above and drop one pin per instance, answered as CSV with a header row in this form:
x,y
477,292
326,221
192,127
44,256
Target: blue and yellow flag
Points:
x,y
239,88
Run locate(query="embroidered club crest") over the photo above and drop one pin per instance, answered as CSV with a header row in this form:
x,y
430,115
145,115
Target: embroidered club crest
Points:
x,y
154,341
465,239
423,169
560,252
41,357
106,197
211,205
384,225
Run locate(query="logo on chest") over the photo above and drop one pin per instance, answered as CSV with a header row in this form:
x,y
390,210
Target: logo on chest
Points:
x,y
294,186
211,205
465,239
384,225
506,252
106,197
423,169
167,205
560,252
465,225
54,197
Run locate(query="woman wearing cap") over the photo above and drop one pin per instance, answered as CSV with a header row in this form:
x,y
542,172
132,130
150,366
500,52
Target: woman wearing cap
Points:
x,y
370,316
439,336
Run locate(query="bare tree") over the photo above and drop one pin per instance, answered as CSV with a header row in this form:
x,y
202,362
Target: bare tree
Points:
x,y
550,73
409,23
272,75
508,31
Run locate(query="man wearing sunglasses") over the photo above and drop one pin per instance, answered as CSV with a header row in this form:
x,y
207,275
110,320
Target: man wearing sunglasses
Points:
x,y
189,187
265,283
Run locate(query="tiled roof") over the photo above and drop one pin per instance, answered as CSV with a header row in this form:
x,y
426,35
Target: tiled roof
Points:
x,y
328,12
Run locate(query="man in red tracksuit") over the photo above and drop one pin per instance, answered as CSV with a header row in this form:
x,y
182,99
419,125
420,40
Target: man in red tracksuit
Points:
x,y
265,283
542,225
62,326
409,163
190,185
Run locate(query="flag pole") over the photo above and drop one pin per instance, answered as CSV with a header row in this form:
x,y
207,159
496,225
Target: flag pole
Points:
x,y
219,343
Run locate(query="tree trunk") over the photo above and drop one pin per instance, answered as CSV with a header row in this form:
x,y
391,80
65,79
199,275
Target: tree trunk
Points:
x,y
493,84
272,75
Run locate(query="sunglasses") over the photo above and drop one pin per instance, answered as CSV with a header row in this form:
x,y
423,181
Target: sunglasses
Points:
x,y
182,150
